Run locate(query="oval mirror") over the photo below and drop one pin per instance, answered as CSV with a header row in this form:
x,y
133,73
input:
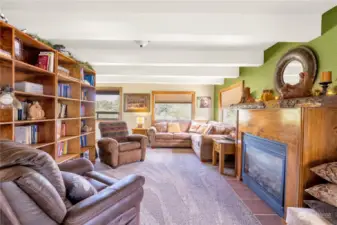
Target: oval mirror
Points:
x,y
292,71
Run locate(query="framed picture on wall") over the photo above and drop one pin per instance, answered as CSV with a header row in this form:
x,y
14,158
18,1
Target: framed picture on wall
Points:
x,y
204,102
136,102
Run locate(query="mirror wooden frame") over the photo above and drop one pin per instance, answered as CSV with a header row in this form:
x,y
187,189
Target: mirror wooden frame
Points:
x,y
302,54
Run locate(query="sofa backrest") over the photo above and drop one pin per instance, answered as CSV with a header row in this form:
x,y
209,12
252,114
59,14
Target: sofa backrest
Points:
x,y
184,124
114,129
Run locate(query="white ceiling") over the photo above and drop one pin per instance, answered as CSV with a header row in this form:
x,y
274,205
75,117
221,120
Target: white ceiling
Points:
x,y
191,42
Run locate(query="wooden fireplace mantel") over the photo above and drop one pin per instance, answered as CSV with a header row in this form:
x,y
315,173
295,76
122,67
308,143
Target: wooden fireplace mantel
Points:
x,y
310,134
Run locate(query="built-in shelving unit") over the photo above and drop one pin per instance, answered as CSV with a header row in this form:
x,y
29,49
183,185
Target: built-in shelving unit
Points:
x,y
13,69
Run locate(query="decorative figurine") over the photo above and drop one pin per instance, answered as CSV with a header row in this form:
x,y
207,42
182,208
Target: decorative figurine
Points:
x,y
299,90
8,99
35,111
86,128
3,18
247,98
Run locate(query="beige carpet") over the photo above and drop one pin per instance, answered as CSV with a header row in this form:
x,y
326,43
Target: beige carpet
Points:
x,y
181,190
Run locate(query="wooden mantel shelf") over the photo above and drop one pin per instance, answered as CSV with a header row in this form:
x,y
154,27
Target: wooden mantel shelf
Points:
x,y
321,101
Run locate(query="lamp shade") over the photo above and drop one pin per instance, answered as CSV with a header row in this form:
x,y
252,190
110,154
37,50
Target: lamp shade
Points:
x,y
140,120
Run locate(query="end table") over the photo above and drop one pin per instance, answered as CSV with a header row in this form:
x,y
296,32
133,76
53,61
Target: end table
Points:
x,y
142,131
222,147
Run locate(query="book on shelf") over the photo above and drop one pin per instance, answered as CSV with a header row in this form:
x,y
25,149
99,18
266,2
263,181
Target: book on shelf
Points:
x,y
60,129
26,134
5,53
46,61
62,148
62,110
90,79
64,90
29,87
84,95
83,141
82,110
21,114
62,71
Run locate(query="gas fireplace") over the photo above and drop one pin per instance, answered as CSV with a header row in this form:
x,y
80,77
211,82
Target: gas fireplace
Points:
x,y
264,168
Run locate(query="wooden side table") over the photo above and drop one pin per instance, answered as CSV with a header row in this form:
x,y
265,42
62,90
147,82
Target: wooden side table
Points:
x,y
142,131
222,147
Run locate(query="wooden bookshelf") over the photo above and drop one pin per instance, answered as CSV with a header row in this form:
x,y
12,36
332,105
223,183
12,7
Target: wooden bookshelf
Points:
x,y
13,69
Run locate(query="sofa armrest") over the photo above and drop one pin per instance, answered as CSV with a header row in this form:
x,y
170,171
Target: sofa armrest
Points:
x,y
143,143
151,132
78,166
108,151
95,205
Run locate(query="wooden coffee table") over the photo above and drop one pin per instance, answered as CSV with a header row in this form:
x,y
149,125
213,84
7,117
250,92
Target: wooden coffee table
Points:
x,y
222,147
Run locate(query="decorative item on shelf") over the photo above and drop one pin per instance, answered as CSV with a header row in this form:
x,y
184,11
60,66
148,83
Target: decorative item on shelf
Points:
x,y
35,111
3,18
61,71
267,95
247,98
316,92
140,121
8,99
38,38
86,128
18,49
277,97
61,48
299,90
5,53
326,79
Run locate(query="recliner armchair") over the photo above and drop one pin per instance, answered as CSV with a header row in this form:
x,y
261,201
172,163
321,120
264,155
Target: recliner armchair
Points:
x,y
35,190
117,147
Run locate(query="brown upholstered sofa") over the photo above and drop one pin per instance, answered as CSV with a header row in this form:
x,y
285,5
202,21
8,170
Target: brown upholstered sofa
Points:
x,y
201,143
117,147
35,190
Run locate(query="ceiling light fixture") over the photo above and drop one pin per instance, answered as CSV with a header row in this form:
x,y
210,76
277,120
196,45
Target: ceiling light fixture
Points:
x,y
142,44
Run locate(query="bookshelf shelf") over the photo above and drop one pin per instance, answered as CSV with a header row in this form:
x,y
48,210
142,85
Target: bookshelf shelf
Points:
x,y
66,157
68,99
86,101
33,94
5,58
87,133
67,138
33,121
40,145
69,79
22,66
22,69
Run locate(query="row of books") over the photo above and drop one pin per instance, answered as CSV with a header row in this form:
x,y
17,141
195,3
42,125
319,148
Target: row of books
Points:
x,y
90,79
84,141
21,114
64,90
62,148
46,61
60,129
26,134
62,110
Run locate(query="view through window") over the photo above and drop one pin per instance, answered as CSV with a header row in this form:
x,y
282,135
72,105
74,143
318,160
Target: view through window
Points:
x,y
173,111
107,106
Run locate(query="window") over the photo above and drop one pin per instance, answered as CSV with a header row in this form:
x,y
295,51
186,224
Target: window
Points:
x,y
173,111
173,105
108,104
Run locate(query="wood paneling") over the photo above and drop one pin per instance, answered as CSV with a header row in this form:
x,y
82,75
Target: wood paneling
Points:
x,y
311,138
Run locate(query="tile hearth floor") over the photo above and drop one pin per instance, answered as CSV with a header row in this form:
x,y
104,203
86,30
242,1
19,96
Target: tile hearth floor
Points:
x,y
259,208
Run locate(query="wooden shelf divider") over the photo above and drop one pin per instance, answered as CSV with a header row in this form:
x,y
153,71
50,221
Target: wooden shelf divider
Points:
x,y
24,69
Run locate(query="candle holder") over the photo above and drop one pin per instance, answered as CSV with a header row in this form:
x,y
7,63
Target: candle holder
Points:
x,y
325,86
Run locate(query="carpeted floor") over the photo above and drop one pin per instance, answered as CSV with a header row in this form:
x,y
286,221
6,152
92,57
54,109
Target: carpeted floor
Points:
x,y
181,190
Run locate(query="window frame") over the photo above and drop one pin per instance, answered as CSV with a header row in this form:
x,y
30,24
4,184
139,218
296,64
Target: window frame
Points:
x,y
154,93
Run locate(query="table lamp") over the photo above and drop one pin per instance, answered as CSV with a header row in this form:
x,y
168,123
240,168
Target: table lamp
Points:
x,y
140,121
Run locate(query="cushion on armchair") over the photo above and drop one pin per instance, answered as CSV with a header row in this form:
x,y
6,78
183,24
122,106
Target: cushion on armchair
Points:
x,y
78,188
127,146
327,171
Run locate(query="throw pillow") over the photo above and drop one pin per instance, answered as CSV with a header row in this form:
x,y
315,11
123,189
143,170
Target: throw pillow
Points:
x,y
173,128
220,130
327,171
326,211
325,192
78,188
204,128
161,127
194,127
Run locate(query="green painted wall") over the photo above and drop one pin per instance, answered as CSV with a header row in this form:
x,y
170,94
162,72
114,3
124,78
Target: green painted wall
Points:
x,y
259,78
329,20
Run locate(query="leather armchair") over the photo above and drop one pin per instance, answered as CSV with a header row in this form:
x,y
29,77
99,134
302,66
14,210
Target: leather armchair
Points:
x,y
35,190
117,147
